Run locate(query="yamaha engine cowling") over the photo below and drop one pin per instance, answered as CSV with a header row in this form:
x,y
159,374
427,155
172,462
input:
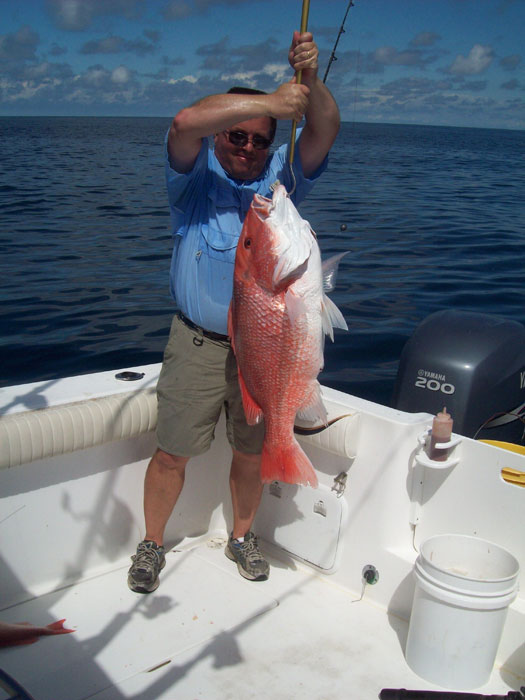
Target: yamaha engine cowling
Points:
x,y
474,364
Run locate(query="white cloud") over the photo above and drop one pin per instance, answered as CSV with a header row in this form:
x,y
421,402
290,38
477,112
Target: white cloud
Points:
x,y
279,71
186,78
479,59
245,77
120,75
77,15
95,75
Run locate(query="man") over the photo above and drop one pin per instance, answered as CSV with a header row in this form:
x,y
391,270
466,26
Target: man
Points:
x,y
209,194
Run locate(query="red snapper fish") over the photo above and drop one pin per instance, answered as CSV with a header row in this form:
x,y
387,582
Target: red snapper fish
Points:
x,y
15,634
277,320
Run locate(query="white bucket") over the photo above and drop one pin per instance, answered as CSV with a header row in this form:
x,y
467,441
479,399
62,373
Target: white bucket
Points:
x,y
464,586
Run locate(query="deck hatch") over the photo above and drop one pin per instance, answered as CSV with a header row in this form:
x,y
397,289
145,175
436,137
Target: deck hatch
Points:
x,y
304,522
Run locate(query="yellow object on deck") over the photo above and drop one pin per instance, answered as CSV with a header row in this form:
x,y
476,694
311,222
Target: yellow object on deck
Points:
x,y
511,446
511,476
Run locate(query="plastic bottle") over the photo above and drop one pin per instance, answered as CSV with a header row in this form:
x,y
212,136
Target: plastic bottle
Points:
x,y
441,432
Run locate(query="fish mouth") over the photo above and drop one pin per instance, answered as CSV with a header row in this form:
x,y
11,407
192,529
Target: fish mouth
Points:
x,y
262,206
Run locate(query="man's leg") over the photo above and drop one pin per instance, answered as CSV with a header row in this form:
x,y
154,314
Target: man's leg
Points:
x,y
245,480
190,393
162,487
246,490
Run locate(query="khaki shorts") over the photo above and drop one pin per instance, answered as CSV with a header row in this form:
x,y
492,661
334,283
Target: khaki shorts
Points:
x,y
197,379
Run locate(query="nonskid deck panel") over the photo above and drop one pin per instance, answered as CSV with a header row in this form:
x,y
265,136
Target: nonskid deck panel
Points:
x,y
206,632
120,633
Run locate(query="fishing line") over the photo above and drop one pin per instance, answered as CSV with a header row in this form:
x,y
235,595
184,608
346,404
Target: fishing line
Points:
x,y
516,414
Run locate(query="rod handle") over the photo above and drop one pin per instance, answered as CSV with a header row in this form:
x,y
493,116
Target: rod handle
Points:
x,y
299,75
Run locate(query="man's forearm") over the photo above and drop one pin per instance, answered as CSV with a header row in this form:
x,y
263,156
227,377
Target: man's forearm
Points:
x,y
218,112
321,128
322,114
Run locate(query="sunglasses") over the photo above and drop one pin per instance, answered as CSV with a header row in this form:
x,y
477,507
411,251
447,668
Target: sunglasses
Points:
x,y
239,138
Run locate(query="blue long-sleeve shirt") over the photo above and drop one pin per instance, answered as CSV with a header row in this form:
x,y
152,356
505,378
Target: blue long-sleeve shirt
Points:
x,y
207,209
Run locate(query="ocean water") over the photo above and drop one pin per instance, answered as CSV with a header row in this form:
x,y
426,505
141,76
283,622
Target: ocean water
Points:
x,y
432,217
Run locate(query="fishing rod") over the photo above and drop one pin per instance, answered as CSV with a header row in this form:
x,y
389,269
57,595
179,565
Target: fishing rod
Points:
x,y
298,75
333,57
304,25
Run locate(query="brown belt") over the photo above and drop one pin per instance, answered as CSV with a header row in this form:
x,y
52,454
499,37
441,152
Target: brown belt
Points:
x,y
207,334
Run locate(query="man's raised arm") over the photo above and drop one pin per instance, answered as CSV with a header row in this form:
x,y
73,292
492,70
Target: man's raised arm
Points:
x,y
216,113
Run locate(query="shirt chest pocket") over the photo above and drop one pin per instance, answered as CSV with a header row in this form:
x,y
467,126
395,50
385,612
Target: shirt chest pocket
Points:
x,y
218,245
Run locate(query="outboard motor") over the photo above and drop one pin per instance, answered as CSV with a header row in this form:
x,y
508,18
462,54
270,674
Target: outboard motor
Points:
x,y
474,364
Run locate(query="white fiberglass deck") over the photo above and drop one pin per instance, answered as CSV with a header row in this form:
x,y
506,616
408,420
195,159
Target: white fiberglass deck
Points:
x,y
208,633
72,460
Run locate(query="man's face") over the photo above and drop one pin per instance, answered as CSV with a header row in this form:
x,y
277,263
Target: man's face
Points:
x,y
243,162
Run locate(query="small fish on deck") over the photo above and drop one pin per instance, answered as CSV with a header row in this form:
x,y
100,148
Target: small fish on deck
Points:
x,y
278,317
15,634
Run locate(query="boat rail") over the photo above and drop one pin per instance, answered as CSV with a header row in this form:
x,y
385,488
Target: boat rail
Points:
x,y
55,430
32,435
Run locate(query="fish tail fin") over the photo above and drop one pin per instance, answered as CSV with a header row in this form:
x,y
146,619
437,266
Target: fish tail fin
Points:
x,y
288,464
58,628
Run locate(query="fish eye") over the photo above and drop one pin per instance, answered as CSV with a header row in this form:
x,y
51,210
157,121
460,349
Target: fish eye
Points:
x,y
247,242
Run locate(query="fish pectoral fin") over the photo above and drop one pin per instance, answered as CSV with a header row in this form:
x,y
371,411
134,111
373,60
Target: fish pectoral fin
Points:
x,y
313,409
331,317
230,325
295,305
252,409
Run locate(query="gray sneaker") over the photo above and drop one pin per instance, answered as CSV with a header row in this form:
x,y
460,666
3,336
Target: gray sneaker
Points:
x,y
148,562
249,560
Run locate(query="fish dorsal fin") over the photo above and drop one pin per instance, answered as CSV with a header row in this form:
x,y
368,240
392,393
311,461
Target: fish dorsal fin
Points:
x,y
330,267
331,317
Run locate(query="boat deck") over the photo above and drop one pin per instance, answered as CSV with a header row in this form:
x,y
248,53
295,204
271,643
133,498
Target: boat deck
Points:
x,y
208,633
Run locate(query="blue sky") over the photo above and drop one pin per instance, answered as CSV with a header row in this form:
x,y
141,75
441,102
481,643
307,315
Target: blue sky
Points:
x,y
449,62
